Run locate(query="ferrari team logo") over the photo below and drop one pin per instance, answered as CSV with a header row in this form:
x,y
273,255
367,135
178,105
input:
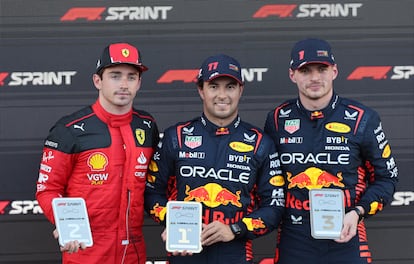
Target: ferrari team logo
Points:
x,y
125,53
140,135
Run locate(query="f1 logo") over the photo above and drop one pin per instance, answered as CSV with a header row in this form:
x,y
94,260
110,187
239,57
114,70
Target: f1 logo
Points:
x,y
88,13
380,72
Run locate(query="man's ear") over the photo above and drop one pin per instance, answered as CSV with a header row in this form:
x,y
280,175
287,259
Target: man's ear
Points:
x,y
97,81
292,75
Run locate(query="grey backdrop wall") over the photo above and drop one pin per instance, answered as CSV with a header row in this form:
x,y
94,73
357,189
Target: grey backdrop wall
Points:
x,y
48,51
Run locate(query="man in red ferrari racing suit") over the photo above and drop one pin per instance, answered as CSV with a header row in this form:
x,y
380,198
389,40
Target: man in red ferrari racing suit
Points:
x,y
325,141
101,153
228,165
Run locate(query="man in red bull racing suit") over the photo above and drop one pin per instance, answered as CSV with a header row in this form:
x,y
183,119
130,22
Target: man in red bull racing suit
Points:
x,y
228,165
101,153
325,141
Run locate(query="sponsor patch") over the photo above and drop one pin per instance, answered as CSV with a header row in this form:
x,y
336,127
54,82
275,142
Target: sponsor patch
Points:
x,y
338,127
140,135
292,126
240,146
277,180
97,161
193,141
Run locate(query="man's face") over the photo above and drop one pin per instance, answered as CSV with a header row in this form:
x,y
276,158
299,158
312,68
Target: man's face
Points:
x,y
118,87
314,80
221,99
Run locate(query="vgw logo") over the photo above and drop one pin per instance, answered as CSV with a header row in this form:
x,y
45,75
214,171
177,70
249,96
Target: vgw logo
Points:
x,y
309,10
119,13
382,72
190,75
37,78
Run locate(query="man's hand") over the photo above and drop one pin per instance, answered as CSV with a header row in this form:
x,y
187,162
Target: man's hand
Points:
x,y
216,232
70,247
350,225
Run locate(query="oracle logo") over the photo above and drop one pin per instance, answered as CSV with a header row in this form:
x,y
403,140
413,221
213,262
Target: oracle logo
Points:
x,y
309,10
382,72
117,13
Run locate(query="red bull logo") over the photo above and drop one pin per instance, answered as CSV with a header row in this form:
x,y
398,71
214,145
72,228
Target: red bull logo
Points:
x,y
150,178
212,195
253,223
374,207
314,178
159,211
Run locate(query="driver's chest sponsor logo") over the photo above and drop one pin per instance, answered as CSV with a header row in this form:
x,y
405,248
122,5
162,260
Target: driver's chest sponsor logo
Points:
x,y
291,126
193,141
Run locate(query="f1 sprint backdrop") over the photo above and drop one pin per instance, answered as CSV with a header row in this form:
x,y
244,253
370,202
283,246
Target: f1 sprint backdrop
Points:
x,y
48,51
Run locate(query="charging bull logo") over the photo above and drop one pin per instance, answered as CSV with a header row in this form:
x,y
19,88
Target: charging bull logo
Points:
x,y
252,223
213,195
314,178
159,211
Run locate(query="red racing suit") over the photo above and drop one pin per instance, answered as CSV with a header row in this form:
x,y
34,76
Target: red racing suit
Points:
x,y
102,158
233,171
342,146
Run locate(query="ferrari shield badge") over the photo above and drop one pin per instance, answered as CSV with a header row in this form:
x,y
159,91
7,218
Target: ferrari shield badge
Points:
x,y
140,135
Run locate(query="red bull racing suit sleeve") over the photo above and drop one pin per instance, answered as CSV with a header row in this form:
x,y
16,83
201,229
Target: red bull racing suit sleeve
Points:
x,y
380,165
159,182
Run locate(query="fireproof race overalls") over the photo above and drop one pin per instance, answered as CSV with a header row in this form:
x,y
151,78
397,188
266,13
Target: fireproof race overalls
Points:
x,y
233,171
342,146
102,158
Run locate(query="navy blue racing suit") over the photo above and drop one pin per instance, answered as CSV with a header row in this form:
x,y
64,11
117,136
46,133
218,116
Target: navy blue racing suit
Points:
x,y
342,146
233,171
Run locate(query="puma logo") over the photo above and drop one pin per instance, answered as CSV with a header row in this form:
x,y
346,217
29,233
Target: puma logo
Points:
x,y
79,127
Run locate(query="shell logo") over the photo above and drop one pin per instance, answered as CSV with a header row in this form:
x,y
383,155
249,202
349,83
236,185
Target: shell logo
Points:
x,y
240,146
97,161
